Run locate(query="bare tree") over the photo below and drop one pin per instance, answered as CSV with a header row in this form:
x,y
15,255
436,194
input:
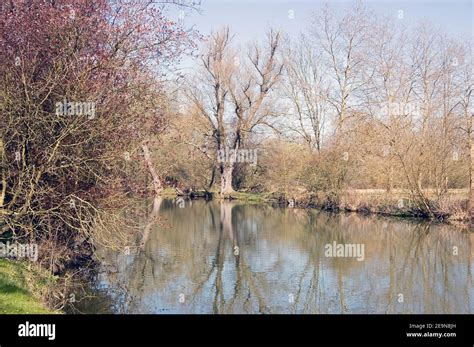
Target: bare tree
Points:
x,y
307,90
343,44
231,94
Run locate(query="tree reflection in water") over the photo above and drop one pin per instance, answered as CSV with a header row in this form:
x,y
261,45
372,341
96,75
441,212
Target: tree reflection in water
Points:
x,y
225,257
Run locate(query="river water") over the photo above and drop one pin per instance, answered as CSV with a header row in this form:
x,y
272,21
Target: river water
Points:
x,y
227,257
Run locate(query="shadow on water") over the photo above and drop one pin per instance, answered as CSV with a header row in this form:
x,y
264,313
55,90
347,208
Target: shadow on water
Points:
x,y
225,257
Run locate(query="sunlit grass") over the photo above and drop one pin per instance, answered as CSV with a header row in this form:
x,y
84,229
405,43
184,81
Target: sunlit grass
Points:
x,y
16,279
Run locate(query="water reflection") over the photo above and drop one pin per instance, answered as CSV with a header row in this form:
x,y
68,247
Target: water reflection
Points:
x,y
223,257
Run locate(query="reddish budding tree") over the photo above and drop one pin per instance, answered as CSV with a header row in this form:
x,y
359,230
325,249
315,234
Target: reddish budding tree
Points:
x,y
54,167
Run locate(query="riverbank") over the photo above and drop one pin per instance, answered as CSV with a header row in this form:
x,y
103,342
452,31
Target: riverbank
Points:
x,y
451,207
22,286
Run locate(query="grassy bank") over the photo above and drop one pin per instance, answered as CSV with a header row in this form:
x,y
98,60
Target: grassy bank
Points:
x,y
21,288
451,206
198,194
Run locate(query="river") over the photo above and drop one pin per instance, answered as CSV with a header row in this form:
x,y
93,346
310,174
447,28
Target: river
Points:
x,y
231,257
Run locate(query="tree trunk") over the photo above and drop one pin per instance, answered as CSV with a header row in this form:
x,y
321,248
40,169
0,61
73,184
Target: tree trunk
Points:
x,y
4,180
226,178
213,177
470,205
419,181
390,179
156,181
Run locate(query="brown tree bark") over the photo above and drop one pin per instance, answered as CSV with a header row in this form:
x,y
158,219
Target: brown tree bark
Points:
x,y
226,178
470,202
157,186
4,181
470,205
213,178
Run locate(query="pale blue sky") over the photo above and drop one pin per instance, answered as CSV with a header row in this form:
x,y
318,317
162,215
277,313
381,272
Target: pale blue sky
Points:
x,y
250,19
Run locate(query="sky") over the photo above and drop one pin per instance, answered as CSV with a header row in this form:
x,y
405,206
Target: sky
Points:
x,y
250,19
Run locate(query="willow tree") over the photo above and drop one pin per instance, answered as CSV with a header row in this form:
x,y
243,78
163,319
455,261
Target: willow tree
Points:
x,y
232,93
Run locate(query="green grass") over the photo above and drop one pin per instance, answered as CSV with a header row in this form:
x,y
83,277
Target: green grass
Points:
x,y
249,197
241,196
168,192
17,279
